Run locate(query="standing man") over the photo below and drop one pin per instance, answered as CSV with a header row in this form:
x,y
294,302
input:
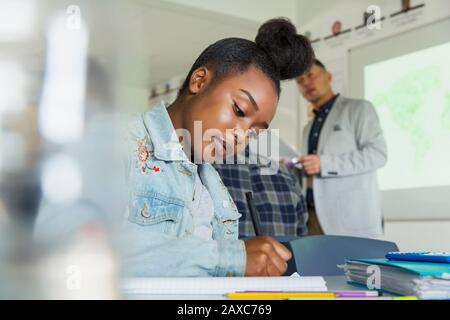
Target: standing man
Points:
x,y
343,146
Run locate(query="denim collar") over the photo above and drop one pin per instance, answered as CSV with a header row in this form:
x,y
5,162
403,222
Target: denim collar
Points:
x,y
163,135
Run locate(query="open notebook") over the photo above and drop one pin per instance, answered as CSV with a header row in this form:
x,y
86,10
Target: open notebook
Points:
x,y
220,285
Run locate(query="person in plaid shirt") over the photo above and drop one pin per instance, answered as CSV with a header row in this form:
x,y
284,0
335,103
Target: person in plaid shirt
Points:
x,y
278,200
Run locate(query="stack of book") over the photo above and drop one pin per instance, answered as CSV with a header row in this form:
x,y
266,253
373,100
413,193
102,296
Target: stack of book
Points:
x,y
425,280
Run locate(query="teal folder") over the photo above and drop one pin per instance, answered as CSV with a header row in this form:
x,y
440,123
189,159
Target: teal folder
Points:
x,y
416,267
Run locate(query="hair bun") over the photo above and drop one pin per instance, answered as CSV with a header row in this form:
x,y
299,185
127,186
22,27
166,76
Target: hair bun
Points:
x,y
292,53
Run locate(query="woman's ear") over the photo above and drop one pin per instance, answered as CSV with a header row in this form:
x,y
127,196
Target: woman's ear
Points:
x,y
199,78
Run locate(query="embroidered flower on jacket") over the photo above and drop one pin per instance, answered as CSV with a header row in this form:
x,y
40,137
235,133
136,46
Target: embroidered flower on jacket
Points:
x,y
143,155
142,152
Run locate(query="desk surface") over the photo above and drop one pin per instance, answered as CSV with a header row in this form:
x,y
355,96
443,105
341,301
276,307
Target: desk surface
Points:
x,y
334,283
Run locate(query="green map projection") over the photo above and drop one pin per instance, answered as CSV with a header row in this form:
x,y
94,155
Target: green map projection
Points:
x,y
404,100
411,94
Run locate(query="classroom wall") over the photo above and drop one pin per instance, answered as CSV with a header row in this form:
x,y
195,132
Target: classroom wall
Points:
x,y
255,10
419,235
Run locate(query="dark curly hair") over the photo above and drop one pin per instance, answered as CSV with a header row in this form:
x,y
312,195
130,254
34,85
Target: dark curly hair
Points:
x,y
278,51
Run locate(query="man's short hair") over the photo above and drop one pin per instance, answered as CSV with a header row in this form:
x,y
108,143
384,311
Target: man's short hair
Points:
x,y
319,63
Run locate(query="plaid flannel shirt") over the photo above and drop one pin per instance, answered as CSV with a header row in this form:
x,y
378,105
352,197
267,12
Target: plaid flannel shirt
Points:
x,y
278,199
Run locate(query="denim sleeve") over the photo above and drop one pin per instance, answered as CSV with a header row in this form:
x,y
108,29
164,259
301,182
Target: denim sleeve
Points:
x,y
159,255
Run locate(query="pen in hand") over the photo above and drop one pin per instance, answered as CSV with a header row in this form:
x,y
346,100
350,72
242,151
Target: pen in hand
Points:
x,y
253,214
277,254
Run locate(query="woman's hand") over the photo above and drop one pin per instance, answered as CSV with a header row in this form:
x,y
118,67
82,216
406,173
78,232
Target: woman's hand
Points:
x,y
266,257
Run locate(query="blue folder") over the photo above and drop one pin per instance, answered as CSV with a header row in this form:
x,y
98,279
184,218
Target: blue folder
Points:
x,y
418,267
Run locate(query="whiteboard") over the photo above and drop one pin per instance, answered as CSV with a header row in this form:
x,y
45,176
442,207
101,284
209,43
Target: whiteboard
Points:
x,y
407,77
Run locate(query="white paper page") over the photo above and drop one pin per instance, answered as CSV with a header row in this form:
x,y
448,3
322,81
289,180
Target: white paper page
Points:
x,y
220,285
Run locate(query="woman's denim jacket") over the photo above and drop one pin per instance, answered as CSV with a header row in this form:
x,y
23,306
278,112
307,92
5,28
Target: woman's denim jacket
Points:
x,y
159,225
